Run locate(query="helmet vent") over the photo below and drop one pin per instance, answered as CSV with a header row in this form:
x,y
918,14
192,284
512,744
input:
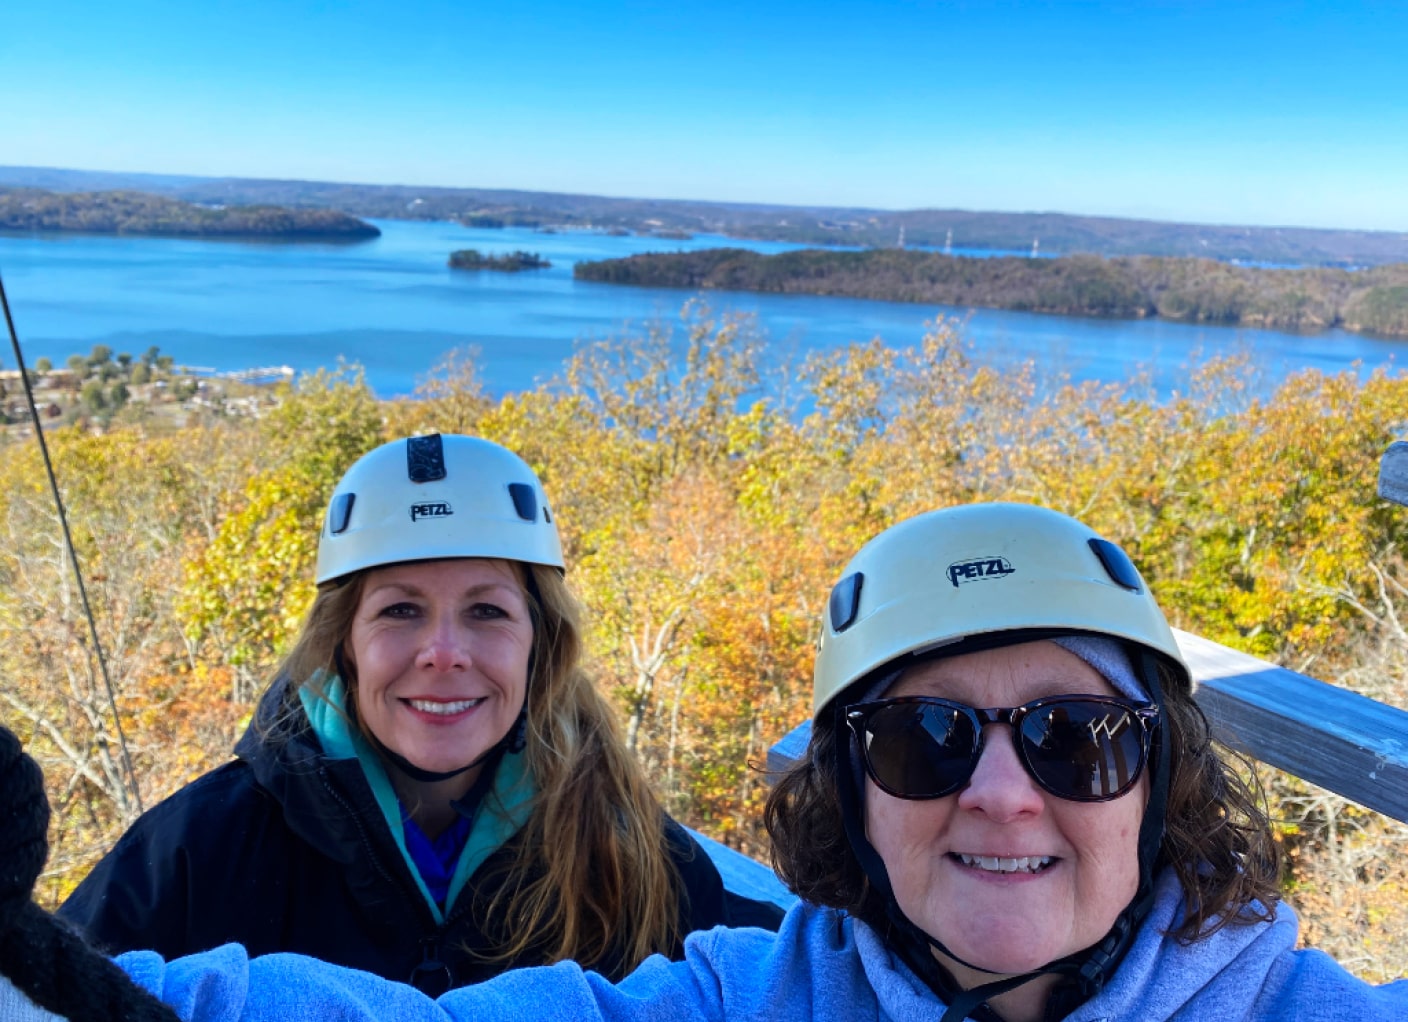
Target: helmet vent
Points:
x,y
525,501
340,513
1117,564
845,602
425,458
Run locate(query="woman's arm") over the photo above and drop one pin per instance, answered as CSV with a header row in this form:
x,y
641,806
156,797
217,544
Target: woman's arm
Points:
x,y
225,985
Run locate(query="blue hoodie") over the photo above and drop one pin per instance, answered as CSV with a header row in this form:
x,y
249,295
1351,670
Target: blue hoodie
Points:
x,y
821,966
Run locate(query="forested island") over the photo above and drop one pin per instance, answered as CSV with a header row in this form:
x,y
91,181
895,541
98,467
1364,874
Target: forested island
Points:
x,y
1132,287
508,262
129,212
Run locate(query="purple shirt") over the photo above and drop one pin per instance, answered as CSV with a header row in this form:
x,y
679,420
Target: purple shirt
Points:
x,y
435,858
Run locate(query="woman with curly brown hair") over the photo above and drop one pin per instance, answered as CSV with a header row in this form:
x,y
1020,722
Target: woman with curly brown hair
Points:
x,y
1009,811
1012,868
433,788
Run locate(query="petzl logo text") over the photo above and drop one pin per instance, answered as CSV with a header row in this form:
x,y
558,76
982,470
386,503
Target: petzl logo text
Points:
x,y
430,509
978,568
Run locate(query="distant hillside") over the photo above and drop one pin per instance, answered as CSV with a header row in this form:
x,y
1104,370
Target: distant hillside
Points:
x,y
1191,290
126,212
1052,233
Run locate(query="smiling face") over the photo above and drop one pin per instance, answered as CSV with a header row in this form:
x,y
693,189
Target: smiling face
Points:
x,y
441,653
1006,876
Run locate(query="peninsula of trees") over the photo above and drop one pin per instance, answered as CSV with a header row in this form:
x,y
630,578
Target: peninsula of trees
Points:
x,y
1191,290
508,262
127,212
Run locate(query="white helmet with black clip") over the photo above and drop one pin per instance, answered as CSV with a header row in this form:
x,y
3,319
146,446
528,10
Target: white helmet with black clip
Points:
x,y
430,497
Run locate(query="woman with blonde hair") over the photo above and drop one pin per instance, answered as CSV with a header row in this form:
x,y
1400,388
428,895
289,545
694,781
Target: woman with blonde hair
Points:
x,y
432,789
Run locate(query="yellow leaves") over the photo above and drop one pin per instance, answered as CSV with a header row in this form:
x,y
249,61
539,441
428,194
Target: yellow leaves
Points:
x,y
247,590
450,399
704,521
1286,505
251,586
672,400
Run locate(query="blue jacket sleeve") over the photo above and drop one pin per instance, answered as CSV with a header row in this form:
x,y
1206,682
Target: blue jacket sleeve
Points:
x,y
806,972
225,985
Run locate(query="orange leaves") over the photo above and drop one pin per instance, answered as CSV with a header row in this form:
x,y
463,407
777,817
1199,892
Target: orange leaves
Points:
x,y
703,626
704,519
188,725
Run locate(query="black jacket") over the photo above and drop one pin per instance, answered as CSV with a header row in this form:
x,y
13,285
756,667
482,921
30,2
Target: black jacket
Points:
x,y
285,849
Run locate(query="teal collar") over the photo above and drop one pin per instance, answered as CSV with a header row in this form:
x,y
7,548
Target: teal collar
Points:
x,y
500,815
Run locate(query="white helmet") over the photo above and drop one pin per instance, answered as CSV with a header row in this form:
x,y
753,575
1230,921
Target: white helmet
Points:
x,y
429,497
945,576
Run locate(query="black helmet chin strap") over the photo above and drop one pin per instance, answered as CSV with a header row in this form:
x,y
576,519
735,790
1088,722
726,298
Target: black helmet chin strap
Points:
x,y
1085,972
513,741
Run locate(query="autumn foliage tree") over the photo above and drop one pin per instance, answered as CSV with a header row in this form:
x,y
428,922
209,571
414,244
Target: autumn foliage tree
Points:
x,y
708,495
246,591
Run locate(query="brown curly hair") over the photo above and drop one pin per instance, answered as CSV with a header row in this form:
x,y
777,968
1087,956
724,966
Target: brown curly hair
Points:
x,y
1217,838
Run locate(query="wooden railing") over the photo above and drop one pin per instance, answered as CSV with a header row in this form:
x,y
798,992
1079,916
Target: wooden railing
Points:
x,y
1346,743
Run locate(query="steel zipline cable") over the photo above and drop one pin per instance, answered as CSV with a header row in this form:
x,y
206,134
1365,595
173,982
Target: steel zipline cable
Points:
x,y
134,790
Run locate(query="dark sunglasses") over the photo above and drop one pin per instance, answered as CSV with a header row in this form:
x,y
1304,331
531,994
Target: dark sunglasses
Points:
x,y
1080,748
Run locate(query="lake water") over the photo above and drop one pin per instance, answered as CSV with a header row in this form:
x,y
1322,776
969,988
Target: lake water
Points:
x,y
393,306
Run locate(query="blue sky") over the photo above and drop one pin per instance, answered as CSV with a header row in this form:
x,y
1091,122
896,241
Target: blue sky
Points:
x,y
1255,113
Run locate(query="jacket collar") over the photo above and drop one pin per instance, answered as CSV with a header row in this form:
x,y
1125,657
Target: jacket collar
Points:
x,y
326,777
